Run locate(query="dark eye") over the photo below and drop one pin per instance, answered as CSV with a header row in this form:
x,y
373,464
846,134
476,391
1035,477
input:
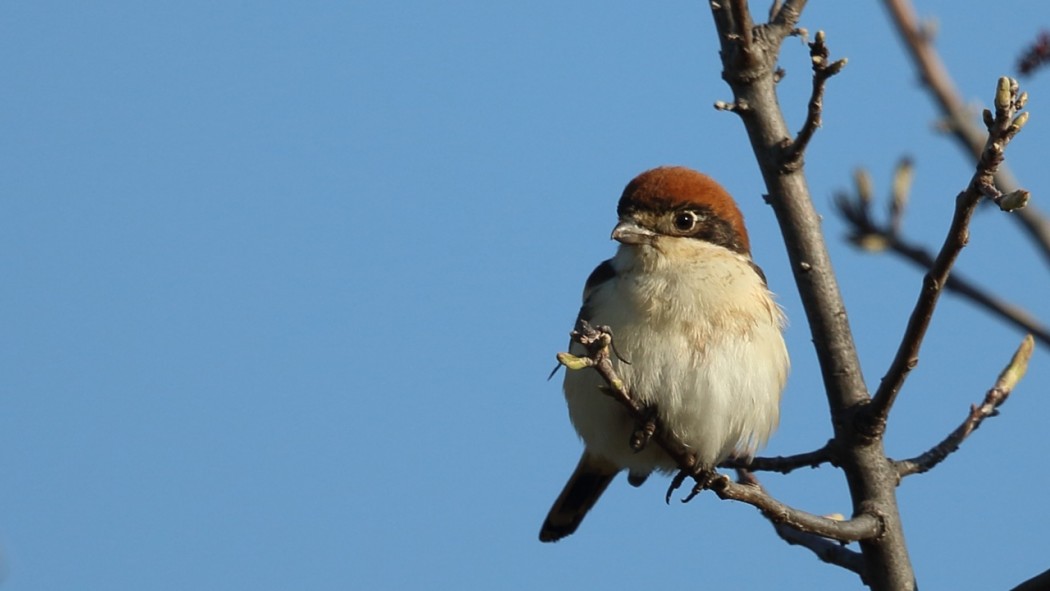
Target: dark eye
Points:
x,y
685,221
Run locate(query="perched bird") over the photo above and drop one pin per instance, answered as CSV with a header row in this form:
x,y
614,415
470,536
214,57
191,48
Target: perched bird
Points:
x,y
697,331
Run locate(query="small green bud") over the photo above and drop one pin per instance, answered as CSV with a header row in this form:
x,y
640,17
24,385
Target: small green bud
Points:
x,y
1019,121
1017,366
989,120
1014,200
1002,94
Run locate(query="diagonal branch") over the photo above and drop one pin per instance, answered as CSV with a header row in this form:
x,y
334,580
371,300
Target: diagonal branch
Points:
x,y
788,13
959,119
1001,129
1011,374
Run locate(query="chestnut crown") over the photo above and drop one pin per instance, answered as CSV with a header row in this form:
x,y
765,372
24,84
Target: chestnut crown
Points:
x,y
679,201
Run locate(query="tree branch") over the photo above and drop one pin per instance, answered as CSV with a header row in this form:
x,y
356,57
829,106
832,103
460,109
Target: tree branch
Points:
x,y
861,527
959,119
822,70
786,464
1008,379
1001,129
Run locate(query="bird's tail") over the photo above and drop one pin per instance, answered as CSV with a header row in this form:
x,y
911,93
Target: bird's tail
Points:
x,y
590,479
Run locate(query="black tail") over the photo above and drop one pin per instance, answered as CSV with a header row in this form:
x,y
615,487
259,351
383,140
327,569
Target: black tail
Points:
x,y
590,479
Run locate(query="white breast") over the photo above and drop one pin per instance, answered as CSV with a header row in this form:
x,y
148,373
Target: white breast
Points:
x,y
703,338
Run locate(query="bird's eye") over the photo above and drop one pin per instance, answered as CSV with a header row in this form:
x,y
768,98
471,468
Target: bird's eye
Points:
x,y
685,221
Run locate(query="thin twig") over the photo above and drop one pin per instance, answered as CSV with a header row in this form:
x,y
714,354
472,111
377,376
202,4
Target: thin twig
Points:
x,y
1003,127
822,70
788,14
785,464
960,120
1011,374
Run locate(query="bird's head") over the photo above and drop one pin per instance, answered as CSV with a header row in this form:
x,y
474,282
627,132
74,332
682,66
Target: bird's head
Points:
x,y
674,201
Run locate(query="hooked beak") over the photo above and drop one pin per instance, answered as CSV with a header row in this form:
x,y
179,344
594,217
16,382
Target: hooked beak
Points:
x,y
628,232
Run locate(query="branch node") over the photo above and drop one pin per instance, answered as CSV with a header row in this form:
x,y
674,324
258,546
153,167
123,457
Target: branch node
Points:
x,y
738,107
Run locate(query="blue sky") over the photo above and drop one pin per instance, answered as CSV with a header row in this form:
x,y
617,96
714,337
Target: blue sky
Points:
x,y
283,283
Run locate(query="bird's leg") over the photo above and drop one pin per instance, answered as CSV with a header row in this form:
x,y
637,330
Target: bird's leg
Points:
x,y
644,431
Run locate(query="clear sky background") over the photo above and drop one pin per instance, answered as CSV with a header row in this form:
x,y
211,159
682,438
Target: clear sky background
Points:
x,y
282,284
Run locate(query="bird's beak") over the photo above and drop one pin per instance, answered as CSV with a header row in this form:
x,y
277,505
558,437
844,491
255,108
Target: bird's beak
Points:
x,y
628,232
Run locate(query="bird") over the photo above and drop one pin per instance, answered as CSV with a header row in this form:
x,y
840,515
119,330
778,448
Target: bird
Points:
x,y
697,332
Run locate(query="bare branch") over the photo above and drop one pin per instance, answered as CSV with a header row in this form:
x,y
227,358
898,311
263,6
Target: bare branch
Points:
x,y
785,464
1008,379
1005,125
861,527
822,70
960,121
789,13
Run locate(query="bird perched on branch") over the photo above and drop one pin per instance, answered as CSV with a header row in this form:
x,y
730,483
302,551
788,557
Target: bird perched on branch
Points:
x,y
697,331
